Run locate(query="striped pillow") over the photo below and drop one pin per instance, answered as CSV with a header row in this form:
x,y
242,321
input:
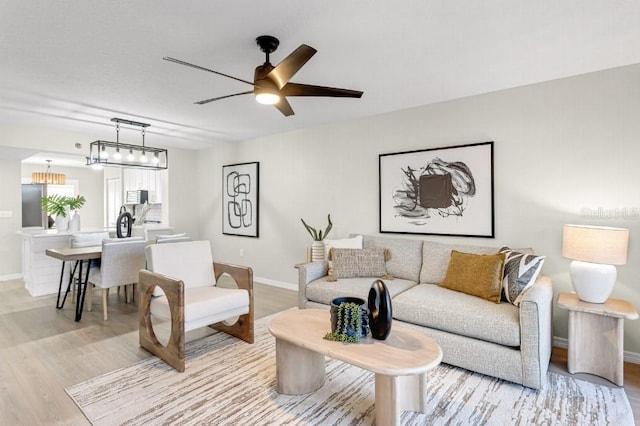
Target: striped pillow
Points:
x,y
520,272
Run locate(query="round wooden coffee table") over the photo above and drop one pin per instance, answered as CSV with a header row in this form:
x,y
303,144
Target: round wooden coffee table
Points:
x,y
399,363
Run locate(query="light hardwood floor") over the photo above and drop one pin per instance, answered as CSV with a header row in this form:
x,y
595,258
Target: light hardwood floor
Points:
x,y
43,351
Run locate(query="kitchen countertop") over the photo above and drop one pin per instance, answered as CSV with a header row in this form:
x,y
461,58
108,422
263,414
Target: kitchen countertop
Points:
x,y
40,233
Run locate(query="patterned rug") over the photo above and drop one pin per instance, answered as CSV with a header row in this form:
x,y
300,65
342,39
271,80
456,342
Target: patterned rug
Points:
x,y
229,382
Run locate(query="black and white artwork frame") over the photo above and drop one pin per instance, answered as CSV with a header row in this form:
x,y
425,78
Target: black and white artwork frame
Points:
x,y
240,199
438,191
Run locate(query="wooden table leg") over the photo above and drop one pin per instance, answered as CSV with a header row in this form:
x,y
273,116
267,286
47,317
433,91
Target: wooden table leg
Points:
x,y
298,371
395,394
596,346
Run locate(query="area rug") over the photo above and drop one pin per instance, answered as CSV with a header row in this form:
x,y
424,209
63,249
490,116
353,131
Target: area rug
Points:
x,y
229,382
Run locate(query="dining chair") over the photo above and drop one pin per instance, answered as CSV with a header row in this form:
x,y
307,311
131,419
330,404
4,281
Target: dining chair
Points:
x,y
120,264
88,239
173,238
125,287
85,239
179,285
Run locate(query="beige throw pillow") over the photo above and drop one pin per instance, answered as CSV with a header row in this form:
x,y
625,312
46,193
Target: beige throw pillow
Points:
x,y
344,243
476,274
352,263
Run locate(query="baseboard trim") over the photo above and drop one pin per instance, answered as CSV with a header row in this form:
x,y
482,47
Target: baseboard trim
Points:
x,y
632,357
560,342
275,283
10,277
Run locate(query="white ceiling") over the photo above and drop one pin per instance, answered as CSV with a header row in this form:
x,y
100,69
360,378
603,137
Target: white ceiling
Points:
x,y
75,64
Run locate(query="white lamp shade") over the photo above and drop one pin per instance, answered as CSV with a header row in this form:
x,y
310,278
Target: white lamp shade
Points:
x,y
595,244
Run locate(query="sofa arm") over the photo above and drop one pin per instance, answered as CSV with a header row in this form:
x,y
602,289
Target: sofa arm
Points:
x,y
536,323
308,272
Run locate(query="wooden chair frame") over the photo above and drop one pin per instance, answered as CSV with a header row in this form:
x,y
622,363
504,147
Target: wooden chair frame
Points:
x,y
173,352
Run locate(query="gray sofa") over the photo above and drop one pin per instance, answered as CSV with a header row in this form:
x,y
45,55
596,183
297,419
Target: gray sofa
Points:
x,y
500,340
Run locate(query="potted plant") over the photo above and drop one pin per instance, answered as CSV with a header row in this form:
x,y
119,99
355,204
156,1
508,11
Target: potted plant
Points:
x,y
76,203
348,320
60,206
317,248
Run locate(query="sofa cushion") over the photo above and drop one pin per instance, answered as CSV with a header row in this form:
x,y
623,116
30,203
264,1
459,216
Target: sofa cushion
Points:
x,y
352,263
520,272
432,306
476,274
201,302
436,256
406,255
323,291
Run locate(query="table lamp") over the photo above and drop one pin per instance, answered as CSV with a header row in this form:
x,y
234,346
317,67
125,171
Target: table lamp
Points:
x,y
594,251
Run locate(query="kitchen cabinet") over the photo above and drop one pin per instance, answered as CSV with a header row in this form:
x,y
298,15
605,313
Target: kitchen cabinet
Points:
x,y
138,179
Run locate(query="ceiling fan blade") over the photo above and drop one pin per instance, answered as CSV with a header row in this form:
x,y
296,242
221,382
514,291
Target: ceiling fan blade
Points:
x,y
295,89
198,67
206,101
291,65
283,106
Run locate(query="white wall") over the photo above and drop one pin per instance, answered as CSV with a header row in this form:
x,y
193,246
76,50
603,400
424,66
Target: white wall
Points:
x,y
10,200
183,190
560,147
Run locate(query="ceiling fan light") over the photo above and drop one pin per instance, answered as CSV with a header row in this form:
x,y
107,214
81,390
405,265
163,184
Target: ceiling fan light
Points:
x,y
267,98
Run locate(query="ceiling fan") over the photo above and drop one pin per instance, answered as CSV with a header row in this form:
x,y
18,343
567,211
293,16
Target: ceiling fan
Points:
x,y
271,84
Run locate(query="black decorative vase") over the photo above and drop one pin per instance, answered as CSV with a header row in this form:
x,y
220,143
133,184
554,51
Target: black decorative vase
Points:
x,y
335,303
380,314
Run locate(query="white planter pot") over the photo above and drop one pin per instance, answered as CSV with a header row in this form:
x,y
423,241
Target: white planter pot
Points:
x,y
317,251
74,223
62,223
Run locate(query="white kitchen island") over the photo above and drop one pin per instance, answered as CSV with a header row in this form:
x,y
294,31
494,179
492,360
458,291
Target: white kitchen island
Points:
x,y
41,273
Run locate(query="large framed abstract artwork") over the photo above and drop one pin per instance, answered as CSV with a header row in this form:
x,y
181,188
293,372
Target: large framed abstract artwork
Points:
x,y
439,191
240,192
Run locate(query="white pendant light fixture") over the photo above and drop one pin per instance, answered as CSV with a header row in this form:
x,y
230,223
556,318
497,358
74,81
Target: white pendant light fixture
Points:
x,y
105,153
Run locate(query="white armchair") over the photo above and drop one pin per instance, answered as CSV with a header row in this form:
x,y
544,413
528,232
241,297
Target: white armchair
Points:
x,y
186,274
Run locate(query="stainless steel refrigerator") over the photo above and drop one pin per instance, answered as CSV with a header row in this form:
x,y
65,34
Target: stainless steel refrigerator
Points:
x,y
32,214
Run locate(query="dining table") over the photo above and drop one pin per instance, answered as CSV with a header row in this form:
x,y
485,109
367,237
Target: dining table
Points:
x,y
78,255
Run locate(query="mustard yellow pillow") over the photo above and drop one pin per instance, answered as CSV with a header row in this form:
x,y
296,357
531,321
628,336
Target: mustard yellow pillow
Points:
x,y
476,274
